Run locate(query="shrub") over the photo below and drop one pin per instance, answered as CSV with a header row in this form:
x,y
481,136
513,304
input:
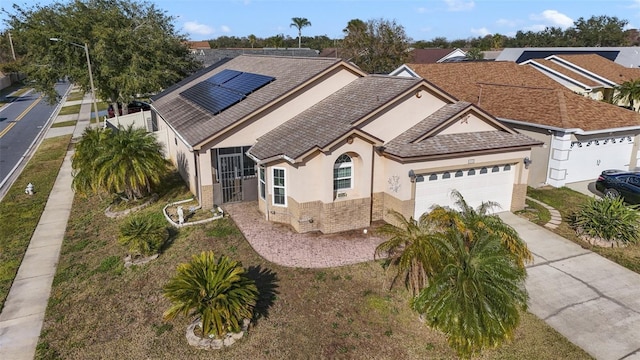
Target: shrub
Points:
x,y
609,219
143,235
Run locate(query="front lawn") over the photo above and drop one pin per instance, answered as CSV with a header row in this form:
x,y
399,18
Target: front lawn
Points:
x,y
567,201
99,309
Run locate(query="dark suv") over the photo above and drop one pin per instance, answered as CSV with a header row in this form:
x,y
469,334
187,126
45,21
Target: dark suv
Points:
x,y
133,107
620,183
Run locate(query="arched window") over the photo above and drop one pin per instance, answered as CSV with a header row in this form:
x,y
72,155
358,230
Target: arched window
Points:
x,y
459,173
446,175
343,173
433,177
507,167
495,169
483,170
471,172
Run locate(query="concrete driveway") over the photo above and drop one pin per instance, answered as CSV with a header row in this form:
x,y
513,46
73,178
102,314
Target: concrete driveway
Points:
x,y
593,302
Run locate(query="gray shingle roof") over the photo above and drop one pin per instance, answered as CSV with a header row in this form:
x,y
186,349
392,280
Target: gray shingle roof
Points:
x,y
450,144
407,146
332,117
195,124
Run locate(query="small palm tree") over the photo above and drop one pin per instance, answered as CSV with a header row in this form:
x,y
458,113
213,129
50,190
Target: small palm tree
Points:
x,y
299,23
131,163
142,235
475,222
477,296
252,40
628,92
410,248
87,150
217,291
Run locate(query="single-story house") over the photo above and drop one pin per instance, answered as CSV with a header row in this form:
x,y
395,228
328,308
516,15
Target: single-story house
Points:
x,y
581,136
321,146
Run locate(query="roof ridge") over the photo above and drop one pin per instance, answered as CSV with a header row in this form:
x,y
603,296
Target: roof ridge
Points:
x,y
516,86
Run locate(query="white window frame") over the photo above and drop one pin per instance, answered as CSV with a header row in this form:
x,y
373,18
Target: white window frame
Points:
x,y
342,166
274,186
262,184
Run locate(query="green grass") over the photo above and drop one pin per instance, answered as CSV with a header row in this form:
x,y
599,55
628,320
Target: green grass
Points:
x,y
567,202
64,124
76,95
334,313
535,213
20,213
71,109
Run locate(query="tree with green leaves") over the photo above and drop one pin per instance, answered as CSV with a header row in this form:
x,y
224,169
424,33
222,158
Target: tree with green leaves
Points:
x,y
252,40
476,297
474,54
128,161
217,291
377,46
472,223
299,23
599,31
133,46
410,249
628,93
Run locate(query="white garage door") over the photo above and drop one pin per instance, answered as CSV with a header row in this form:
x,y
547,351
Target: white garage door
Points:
x,y
589,158
477,185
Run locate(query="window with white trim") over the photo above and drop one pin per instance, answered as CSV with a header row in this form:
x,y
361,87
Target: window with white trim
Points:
x,y
343,173
262,182
278,186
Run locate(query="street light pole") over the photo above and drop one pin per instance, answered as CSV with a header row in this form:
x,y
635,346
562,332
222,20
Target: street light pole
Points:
x,y
93,89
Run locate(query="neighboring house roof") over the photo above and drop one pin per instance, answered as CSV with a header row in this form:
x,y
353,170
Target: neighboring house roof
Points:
x,y
562,71
598,65
210,56
331,118
521,93
422,140
196,125
625,56
433,55
197,45
329,52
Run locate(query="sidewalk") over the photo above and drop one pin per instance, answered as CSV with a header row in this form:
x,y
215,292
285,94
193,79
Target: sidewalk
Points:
x,y
23,314
593,302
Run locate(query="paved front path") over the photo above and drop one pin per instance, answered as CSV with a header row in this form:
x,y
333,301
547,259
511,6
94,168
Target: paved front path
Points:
x,y
281,245
593,302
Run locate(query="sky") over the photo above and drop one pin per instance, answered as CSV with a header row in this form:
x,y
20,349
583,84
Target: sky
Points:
x,y
421,19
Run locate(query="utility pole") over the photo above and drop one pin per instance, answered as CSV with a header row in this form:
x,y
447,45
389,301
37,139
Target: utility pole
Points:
x,y
13,53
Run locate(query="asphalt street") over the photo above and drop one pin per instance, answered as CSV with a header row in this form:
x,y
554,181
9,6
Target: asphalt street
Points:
x,y
22,124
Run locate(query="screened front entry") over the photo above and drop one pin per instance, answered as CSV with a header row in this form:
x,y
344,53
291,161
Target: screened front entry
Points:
x,y
235,174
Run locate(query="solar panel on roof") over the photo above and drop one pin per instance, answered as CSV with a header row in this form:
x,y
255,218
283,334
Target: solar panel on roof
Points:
x,y
246,83
223,76
225,89
211,97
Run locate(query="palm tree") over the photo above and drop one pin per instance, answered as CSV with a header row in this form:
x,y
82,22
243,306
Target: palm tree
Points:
x,y
410,248
472,223
142,235
299,23
252,40
86,152
628,92
476,298
218,292
130,163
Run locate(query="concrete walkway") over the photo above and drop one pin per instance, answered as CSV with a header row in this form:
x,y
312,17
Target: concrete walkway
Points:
x,y
23,313
593,302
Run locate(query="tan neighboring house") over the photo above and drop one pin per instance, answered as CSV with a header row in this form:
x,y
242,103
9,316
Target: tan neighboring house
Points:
x,y
321,146
588,74
582,137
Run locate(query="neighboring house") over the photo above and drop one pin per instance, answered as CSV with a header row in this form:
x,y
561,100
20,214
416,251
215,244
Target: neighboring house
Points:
x,y
209,57
321,146
581,136
435,55
589,74
625,56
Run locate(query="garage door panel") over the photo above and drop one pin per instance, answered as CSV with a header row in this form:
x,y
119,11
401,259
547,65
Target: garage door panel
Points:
x,y
476,186
588,159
